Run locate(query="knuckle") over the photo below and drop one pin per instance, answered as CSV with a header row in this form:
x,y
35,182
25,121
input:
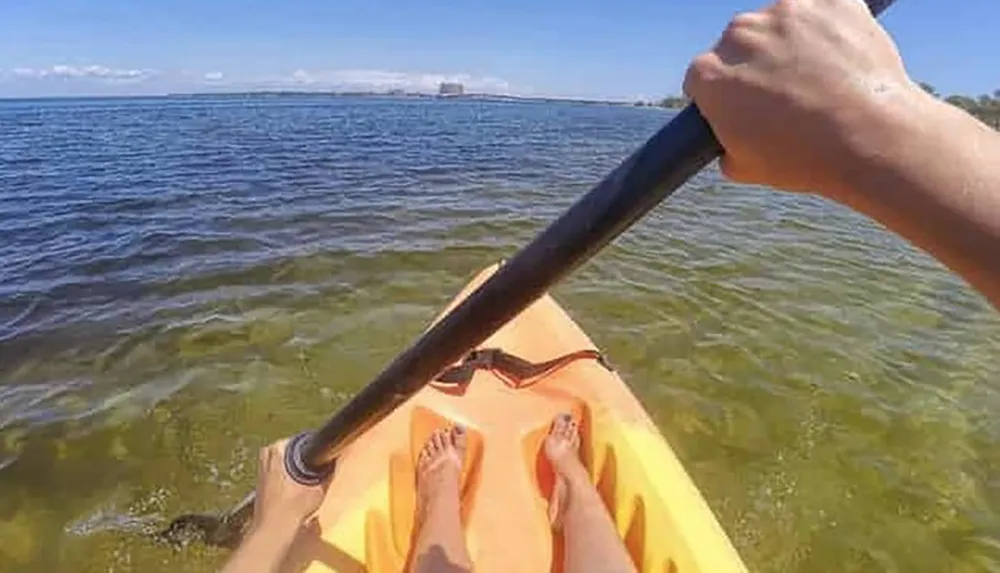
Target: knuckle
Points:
x,y
744,20
732,31
691,77
746,33
705,66
739,36
703,70
787,8
265,454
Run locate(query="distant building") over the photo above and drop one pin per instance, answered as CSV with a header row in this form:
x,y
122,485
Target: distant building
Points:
x,y
451,89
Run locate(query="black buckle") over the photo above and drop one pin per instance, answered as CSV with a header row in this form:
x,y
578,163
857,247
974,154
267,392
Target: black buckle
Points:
x,y
484,358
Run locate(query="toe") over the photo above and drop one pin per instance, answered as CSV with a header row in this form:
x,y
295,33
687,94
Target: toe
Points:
x,y
459,437
571,429
439,440
426,453
560,424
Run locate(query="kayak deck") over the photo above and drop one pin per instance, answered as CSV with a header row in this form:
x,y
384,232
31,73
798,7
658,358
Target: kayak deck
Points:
x,y
366,520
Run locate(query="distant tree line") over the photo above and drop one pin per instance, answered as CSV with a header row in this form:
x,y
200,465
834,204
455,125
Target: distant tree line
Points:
x,y
674,102
985,107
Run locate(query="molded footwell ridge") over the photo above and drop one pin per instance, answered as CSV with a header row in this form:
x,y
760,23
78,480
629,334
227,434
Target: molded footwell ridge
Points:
x,y
367,520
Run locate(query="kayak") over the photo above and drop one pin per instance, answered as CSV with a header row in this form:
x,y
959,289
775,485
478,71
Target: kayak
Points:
x,y
506,394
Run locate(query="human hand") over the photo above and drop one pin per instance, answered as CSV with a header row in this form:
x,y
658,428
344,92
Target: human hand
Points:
x,y
280,507
281,501
800,92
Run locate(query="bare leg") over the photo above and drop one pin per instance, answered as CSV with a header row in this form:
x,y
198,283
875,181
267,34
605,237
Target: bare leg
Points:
x,y
591,541
440,545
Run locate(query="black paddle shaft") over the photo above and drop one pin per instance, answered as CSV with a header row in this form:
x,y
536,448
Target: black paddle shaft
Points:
x,y
659,167
674,154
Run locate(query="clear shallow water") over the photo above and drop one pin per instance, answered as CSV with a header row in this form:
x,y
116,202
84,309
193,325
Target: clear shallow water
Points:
x,y
183,281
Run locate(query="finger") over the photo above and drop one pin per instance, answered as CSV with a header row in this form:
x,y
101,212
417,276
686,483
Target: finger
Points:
x,y
744,36
758,21
274,449
278,448
705,69
731,53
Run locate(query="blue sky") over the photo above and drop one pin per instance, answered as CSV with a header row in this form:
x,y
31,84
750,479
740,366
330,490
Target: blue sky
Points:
x,y
590,48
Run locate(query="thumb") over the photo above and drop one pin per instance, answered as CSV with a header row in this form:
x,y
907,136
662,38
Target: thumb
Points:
x,y
731,169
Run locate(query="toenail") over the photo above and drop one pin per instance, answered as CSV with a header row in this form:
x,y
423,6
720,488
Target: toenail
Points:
x,y
459,429
566,418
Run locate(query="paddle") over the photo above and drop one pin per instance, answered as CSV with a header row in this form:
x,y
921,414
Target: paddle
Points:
x,y
674,154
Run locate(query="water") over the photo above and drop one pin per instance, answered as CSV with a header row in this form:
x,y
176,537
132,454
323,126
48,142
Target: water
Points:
x,y
183,281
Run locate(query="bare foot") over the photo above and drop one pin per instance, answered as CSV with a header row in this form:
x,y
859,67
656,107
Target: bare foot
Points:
x,y
439,467
440,543
592,543
562,448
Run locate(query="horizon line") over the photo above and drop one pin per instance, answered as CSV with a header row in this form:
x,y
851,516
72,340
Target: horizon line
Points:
x,y
340,93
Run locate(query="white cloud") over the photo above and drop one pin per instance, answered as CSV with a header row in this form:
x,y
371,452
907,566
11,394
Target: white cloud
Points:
x,y
385,80
99,79
94,72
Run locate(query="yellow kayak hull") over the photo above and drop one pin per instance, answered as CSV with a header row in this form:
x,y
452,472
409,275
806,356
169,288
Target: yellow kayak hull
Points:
x,y
366,522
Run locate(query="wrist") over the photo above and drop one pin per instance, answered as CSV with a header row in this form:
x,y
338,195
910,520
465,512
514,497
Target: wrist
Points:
x,y
882,134
276,530
264,548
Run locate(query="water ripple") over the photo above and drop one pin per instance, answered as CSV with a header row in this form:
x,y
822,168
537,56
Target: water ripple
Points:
x,y
182,281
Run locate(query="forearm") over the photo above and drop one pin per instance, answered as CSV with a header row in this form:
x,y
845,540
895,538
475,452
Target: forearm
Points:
x,y
932,175
263,550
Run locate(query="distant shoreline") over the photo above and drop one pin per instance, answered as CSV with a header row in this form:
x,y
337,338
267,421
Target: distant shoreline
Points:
x,y
359,94
394,94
